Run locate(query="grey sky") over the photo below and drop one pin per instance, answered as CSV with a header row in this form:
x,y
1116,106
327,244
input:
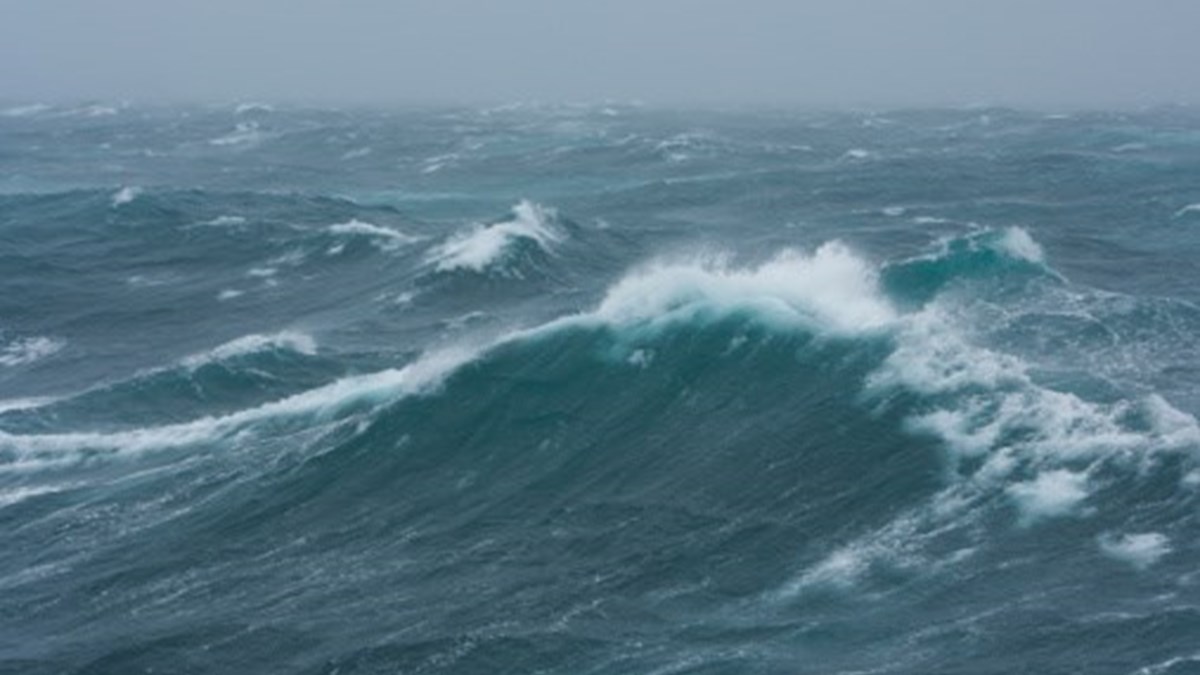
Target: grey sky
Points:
x,y
797,52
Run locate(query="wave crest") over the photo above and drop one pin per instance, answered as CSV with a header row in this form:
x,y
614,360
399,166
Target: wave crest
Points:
x,y
484,248
832,289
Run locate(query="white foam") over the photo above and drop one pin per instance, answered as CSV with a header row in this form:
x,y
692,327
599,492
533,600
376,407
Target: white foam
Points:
x,y
125,195
29,403
385,238
1130,147
1017,243
246,133
150,281
840,569
1013,242
893,211
20,494
481,248
1169,666
419,377
1190,208
895,545
1051,494
356,153
858,154
98,111
26,110
243,108
641,358
932,357
1139,550
24,351
229,294
434,164
985,404
832,289
252,344
225,221
678,141
400,299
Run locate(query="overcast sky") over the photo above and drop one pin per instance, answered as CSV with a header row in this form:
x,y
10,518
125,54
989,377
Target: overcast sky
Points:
x,y
1041,53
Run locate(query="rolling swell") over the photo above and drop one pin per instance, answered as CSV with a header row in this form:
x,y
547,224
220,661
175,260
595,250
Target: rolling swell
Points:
x,y
740,398
665,435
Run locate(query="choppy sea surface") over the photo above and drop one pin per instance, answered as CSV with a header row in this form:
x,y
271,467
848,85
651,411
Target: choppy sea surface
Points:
x,y
598,389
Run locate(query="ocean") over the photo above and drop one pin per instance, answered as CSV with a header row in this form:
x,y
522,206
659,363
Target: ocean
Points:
x,y
593,389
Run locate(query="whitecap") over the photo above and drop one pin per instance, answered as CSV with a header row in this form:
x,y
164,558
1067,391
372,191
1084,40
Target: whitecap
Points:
x,y
1189,209
225,221
483,247
147,281
1017,243
831,289
1051,494
98,111
125,195
438,162
356,153
1139,550
245,133
989,406
252,344
24,351
385,238
243,108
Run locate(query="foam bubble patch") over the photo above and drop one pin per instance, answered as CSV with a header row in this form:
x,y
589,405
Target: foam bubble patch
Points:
x,y
1137,550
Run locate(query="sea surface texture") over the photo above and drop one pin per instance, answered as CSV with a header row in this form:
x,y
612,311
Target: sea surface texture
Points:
x,y
598,389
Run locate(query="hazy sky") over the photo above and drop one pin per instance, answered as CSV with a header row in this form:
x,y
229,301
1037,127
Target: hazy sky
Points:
x,y
788,52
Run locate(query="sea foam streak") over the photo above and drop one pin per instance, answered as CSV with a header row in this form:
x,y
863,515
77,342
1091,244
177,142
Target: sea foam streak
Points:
x,y
421,376
13,404
385,238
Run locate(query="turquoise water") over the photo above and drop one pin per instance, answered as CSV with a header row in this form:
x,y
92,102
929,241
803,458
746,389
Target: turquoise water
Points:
x,y
598,389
